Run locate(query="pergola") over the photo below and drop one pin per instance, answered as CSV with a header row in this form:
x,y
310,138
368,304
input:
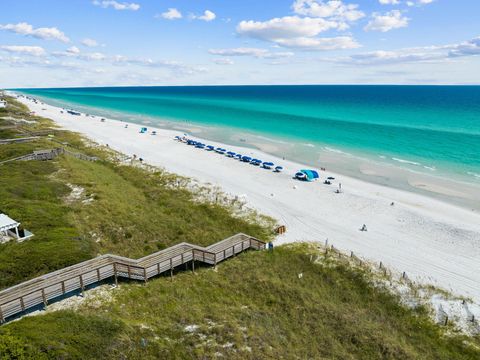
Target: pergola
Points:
x,y
10,226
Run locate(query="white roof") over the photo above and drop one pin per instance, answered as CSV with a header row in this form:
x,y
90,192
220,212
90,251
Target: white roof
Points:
x,y
6,223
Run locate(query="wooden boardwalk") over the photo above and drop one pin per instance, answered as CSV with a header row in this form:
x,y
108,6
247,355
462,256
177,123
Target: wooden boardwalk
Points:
x,y
44,289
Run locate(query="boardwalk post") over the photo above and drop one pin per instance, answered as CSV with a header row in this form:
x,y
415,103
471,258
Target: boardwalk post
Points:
x,y
250,242
22,304
171,269
242,246
115,273
158,268
2,319
129,273
63,287
145,275
233,250
224,254
45,303
215,260
98,274
81,285
193,261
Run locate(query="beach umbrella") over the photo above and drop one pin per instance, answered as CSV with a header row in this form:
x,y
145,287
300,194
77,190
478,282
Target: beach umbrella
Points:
x,y
308,175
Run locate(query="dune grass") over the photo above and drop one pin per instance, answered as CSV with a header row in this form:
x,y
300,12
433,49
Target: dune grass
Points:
x,y
255,306
120,209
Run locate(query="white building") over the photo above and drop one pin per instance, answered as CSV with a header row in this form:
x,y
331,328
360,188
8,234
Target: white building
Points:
x,y
10,228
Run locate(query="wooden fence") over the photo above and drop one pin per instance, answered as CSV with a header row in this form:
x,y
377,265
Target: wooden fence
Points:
x,y
49,154
45,289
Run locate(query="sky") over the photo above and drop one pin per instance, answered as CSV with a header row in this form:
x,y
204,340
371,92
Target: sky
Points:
x,y
58,43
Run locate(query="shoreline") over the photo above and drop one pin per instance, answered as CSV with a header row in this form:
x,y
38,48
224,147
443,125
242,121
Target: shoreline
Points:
x,y
387,169
433,241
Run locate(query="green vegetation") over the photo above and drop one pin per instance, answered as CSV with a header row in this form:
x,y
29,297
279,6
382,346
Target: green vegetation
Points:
x,y
119,209
252,307
292,303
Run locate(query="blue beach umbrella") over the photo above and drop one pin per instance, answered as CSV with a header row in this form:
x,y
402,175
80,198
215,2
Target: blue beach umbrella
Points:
x,y
307,175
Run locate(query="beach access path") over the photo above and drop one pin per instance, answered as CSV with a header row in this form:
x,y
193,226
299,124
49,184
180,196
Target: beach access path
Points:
x,y
432,241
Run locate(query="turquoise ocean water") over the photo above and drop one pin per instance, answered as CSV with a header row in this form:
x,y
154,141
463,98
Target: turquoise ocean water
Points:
x,y
430,129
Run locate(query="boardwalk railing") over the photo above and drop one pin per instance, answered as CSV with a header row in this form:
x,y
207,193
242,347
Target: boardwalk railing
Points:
x,y
44,289
50,154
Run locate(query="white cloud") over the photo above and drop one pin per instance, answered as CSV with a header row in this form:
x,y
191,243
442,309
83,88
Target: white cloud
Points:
x,y
386,22
467,48
297,32
117,5
426,54
255,52
207,16
40,33
333,9
223,61
89,42
26,50
285,27
389,2
321,44
170,14
73,50
419,2
96,56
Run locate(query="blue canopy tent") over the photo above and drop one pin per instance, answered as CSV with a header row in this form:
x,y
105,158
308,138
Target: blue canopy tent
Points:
x,y
307,175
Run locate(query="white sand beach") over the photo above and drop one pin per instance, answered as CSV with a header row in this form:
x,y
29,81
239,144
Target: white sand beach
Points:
x,y
432,241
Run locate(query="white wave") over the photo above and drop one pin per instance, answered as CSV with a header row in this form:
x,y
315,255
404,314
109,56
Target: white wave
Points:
x,y
432,168
335,150
406,161
308,145
382,156
270,139
474,174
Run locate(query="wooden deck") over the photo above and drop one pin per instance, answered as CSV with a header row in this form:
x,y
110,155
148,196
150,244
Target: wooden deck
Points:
x,y
44,289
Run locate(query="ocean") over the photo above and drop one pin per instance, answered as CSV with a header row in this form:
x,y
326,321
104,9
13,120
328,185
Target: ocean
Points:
x,y
432,130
